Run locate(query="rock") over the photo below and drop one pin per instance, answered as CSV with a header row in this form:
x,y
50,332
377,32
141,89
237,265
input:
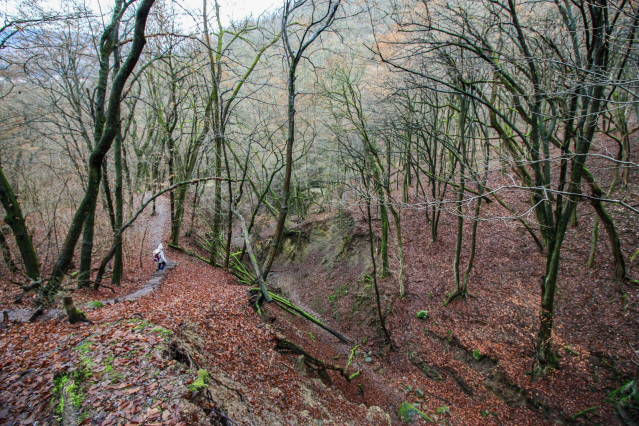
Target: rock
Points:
x,y
419,393
368,359
377,416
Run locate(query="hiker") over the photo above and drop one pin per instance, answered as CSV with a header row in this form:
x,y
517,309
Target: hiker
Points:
x,y
158,257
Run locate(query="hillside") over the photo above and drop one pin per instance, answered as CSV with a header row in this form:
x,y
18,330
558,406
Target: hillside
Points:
x,y
373,211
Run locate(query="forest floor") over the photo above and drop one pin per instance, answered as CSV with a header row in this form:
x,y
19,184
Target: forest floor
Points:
x,y
465,363
471,361
138,360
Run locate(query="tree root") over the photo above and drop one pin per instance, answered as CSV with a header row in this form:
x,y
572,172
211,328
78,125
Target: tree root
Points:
x,y
284,345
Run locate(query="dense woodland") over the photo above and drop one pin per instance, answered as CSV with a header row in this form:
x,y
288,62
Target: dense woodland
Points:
x,y
462,171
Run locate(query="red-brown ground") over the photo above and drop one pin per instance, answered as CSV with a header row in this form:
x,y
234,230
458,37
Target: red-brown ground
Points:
x,y
474,354
479,350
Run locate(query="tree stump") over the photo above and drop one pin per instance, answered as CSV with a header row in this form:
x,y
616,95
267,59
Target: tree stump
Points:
x,y
73,314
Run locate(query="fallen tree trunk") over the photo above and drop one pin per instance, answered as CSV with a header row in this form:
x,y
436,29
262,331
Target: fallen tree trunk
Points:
x,y
296,310
249,248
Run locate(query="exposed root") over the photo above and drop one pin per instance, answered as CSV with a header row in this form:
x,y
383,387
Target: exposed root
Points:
x,y
177,351
284,345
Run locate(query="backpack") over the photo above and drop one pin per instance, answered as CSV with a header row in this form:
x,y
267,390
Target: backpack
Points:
x,y
156,257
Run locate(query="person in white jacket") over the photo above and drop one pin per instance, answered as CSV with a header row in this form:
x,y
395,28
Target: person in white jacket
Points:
x,y
159,258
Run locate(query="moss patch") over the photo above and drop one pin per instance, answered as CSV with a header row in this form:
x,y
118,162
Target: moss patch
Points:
x,y
201,381
408,412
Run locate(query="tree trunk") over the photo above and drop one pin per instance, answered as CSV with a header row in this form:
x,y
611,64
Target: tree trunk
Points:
x,y
86,253
604,217
377,297
217,209
6,254
458,291
249,247
290,140
107,202
545,355
118,260
100,150
74,315
383,215
16,221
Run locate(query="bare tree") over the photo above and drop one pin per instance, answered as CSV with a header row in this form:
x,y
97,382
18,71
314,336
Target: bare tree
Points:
x,y
297,39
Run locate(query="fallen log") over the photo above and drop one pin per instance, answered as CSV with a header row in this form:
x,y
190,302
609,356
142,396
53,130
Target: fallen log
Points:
x,y
249,247
294,309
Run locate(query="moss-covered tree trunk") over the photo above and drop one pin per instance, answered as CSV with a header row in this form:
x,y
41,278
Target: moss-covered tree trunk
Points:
x,y
87,205
86,253
16,221
118,259
217,206
6,254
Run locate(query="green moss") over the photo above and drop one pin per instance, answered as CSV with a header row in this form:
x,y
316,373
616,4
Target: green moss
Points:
x,y
95,304
407,412
201,381
59,384
165,333
444,409
477,355
67,389
143,324
341,290
422,315
83,348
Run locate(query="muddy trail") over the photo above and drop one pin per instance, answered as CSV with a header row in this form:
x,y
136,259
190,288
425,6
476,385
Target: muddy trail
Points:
x,y
150,232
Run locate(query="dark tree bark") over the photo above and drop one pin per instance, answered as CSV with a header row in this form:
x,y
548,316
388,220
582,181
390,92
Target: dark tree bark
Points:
x,y
100,150
118,261
6,254
613,235
107,45
294,56
16,221
378,304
